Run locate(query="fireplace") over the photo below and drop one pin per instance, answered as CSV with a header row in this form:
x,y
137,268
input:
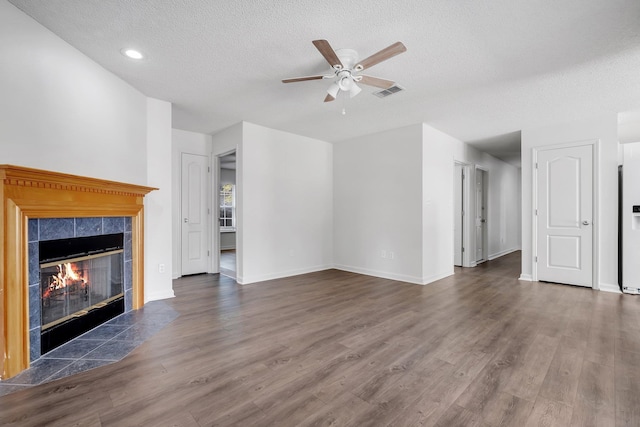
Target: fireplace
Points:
x,y
30,195
81,285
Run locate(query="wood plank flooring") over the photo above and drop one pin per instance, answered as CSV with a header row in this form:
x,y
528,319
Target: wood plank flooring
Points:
x,y
479,348
228,263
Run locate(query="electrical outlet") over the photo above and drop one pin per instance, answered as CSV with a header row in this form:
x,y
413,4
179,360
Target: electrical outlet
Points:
x,y
383,254
391,255
161,268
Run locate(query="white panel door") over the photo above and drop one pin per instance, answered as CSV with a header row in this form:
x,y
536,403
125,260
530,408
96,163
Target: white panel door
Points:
x,y
565,215
457,215
194,214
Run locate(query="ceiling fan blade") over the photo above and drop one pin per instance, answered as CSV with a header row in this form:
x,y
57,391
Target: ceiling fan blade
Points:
x,y
386,53
329,54
302,79
329,98
376,81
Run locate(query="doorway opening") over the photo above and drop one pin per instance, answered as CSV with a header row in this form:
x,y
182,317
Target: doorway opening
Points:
x,y
227,214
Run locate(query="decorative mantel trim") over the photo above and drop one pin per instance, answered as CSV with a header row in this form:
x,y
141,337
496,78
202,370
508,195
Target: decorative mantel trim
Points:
x,y
31,193
28,177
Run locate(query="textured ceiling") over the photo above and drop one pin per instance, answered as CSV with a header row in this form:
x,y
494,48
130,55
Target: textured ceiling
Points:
x,y
478,70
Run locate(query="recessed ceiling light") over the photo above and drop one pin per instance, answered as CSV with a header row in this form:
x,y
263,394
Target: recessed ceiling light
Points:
x,y
132,53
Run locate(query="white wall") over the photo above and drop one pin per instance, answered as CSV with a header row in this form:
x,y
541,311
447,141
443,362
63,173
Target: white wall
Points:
x,y
227,240
631,221
437,203
393,192
378,204
190,143
227,176
60,111
158,203
603,129
286,207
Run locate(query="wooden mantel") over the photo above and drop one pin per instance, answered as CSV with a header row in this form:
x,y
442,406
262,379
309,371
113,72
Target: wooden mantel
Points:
x,y
31,193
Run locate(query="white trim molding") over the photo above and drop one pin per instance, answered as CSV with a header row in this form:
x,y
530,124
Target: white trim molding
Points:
x,y
608,287
280,275
502,253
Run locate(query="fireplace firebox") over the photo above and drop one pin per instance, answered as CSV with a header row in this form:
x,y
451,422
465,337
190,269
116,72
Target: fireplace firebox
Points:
x,y
81,285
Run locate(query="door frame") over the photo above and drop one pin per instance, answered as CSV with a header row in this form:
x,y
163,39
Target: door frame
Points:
x,y
595,247
467,219
215,208
485,228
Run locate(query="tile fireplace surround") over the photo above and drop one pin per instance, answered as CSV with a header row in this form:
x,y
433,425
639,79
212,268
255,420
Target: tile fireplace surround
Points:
x,y
63,228
36,194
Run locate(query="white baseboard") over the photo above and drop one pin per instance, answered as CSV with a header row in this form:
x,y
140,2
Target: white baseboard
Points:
x,y
605,287
159,295
393,276
437,277
502,253
608,287
381,274
244,280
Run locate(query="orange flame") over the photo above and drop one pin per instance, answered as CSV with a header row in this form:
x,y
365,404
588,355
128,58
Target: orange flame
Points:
x,y
66,276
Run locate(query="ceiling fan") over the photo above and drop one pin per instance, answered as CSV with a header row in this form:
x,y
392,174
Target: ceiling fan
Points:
x,y
346,69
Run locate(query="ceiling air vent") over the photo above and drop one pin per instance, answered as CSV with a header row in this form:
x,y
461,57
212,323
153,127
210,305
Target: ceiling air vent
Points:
x,y
390,91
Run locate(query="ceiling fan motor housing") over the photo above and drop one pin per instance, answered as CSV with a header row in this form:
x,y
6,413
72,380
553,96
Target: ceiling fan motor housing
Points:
x,y
348,57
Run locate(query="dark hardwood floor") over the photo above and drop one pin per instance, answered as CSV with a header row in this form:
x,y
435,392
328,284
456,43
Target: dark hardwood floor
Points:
x,y
479,348
228,263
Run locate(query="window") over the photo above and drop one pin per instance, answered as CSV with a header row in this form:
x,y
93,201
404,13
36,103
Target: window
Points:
x,y
227,207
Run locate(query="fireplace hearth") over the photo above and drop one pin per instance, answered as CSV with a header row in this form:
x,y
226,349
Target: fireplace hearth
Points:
x,y
81,286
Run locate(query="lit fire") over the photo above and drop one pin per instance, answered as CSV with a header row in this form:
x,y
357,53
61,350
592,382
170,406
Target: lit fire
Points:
x,y
67,276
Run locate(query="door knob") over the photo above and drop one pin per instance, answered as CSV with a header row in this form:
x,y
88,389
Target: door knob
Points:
x,y
186,220
585,222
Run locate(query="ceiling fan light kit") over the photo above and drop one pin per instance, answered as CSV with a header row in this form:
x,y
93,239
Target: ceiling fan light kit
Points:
x,y
346,68
355,89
